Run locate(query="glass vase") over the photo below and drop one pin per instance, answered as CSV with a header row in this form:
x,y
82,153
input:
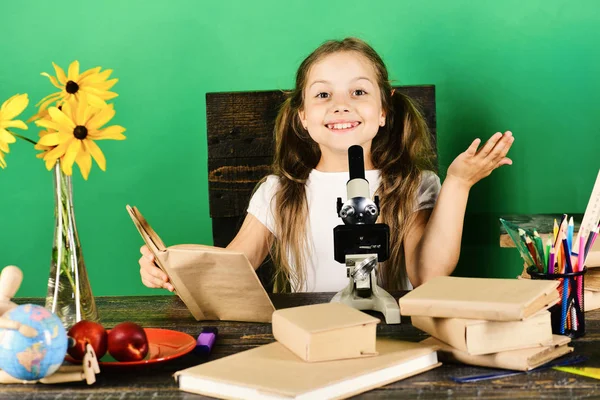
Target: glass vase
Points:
x,y
69,293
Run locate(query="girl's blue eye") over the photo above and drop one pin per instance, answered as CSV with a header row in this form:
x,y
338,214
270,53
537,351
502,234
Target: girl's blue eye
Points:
x,y
359,92
323,95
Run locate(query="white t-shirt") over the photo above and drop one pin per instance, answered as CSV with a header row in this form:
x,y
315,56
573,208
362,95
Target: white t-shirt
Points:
x,y
323,273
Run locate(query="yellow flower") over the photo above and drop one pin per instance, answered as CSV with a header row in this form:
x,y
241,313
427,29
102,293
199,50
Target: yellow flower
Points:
x,y
73,130
91,82
45,149
9,110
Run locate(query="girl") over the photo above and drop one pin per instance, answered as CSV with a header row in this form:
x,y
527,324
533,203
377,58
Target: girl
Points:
x,y
343,98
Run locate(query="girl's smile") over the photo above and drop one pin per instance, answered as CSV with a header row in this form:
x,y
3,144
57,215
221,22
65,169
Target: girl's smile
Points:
x,y
342,126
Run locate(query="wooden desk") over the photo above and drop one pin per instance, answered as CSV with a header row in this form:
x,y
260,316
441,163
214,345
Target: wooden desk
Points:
x,y
156,381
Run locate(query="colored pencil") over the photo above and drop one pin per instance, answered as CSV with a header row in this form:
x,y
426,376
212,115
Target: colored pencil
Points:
x,y
534,255
547,254
570,229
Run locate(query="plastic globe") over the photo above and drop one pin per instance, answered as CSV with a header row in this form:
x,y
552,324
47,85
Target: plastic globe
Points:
x,y
33,358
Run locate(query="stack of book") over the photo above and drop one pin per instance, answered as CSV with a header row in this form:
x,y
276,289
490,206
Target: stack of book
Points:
x,y
498,323
321,351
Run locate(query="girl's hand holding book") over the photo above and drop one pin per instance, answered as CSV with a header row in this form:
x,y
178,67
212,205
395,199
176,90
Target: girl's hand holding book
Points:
x,y
475,164
152,276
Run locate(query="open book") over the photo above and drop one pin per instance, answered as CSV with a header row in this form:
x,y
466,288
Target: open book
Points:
x,y
213,282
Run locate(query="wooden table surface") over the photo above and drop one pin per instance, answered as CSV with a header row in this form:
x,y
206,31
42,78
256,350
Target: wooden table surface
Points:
x,y
156,381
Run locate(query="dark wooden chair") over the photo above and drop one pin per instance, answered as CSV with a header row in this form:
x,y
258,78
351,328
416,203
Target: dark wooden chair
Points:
x,y
240,149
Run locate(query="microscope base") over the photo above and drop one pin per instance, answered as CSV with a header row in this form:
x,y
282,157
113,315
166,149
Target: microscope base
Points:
x,y
380,300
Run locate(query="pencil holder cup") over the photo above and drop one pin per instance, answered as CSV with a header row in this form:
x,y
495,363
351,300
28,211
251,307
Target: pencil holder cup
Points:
x,y
568,315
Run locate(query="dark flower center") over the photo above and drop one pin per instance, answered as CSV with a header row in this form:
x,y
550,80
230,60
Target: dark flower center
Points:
x,y
72,87
80,132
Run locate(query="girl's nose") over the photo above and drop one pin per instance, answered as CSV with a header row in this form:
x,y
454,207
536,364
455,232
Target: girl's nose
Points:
x,y
341,108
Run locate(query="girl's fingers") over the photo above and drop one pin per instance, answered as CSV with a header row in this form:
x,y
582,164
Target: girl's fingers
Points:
x,y
504,161
510,141
502,146
472,150
147,253
490,144
150,281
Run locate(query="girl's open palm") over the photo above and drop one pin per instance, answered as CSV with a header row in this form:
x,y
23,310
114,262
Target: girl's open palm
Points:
x,y
473,165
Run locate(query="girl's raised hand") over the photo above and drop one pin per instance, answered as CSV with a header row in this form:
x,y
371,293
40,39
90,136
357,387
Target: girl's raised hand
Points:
x,y
473,165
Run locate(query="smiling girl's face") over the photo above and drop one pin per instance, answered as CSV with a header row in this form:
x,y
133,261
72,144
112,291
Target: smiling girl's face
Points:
x,y
342,107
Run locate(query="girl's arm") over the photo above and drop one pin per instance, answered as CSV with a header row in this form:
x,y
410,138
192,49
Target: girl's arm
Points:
x,y
253,240
432,244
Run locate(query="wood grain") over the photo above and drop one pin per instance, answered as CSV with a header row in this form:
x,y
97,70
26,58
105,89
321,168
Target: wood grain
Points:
x,y
169,312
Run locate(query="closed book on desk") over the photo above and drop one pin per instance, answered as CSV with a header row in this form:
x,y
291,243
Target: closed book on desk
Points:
x,y
480,298
591,300
214,283
519,360
329,331
477,336
274,372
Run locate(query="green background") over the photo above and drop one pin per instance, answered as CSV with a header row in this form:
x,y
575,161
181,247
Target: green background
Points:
x,y
532,67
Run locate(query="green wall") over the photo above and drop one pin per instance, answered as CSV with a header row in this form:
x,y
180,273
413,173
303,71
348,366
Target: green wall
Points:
x,y
532,67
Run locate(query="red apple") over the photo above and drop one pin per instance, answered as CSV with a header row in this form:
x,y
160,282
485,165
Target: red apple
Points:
x,y
87,332
127,341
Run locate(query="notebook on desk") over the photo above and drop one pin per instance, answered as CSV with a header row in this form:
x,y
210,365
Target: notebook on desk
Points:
x,y
214,283
274,372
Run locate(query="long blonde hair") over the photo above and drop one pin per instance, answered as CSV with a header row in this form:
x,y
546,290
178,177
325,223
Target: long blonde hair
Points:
x,y
400,150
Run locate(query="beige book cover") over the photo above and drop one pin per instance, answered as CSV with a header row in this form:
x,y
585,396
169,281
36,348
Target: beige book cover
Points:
x,y
274,372
477,336
213,282
519,360
330,331
480,298
592,279
591,300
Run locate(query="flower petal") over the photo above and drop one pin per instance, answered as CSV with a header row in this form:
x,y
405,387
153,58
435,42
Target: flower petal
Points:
x,y
46,123
84,75
93,79
70,156
13,124
14,106
50,163
5,136
51,139
94,100
74,75
52,80
101,118
61,117
81,109
95,151
114,132
2,162
84,160
58,151
60,74
4,147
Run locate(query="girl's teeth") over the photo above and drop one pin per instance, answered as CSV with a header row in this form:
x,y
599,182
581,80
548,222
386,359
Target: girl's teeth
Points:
x,y
341,126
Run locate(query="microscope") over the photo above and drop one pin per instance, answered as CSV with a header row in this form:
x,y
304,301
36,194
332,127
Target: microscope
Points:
x,y
361,244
